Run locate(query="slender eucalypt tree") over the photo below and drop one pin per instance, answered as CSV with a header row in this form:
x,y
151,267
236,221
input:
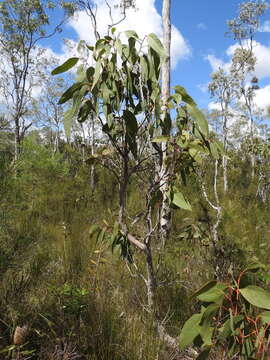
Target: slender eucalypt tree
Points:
x,y
224,90
122,90
244,28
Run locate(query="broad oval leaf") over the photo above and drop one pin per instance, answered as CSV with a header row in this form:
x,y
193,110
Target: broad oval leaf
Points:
x,y
190,331
214,294
256,296
180,201
66,66
204,288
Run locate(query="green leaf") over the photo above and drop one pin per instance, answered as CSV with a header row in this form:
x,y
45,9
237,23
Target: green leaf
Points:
x,y
66,66
254,267
80,73
185,97
214,294
97,73
180,201
199,119
69,93
256,296
204,288
118,46
265,316
84,111
209,312
190,331
177,98
214,151
131,122
144,66
206,331
90,73
94,229
68,115
131,34
156,45
225,330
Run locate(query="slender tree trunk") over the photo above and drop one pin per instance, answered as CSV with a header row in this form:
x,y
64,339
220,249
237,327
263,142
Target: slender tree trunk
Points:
x,y
92,171
225,174
252,156
17,140
225,145
123,191
164,175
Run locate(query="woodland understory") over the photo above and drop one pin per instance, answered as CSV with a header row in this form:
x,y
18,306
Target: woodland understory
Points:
x,y
133,225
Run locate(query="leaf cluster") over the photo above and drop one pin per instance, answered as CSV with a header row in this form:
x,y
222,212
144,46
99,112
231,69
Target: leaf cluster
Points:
x,y
231,318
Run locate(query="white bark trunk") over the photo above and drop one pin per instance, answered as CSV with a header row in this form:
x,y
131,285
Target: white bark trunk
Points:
x,y
92,173
164,175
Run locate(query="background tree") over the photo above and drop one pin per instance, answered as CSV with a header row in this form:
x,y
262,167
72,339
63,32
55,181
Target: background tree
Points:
x,y
23,25
244,28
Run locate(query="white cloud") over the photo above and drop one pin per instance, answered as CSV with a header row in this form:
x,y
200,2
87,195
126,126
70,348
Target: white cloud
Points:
x,y
262,97
203,87
213,106
262,53
201,26
144,20
262,69
265,27
217,63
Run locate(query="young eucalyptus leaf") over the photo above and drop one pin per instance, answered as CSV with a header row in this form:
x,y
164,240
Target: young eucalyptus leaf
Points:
x,y
97,73
131,122
68,94
265,316
209,285
131,34
256,296
180,201
199,119
214,294
190,331
185,97
156,45
66,66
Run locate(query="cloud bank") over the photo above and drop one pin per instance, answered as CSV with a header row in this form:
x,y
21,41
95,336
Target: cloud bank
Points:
x,y
144,20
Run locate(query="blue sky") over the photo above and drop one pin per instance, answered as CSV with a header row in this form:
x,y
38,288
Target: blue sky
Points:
x,y
199,35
